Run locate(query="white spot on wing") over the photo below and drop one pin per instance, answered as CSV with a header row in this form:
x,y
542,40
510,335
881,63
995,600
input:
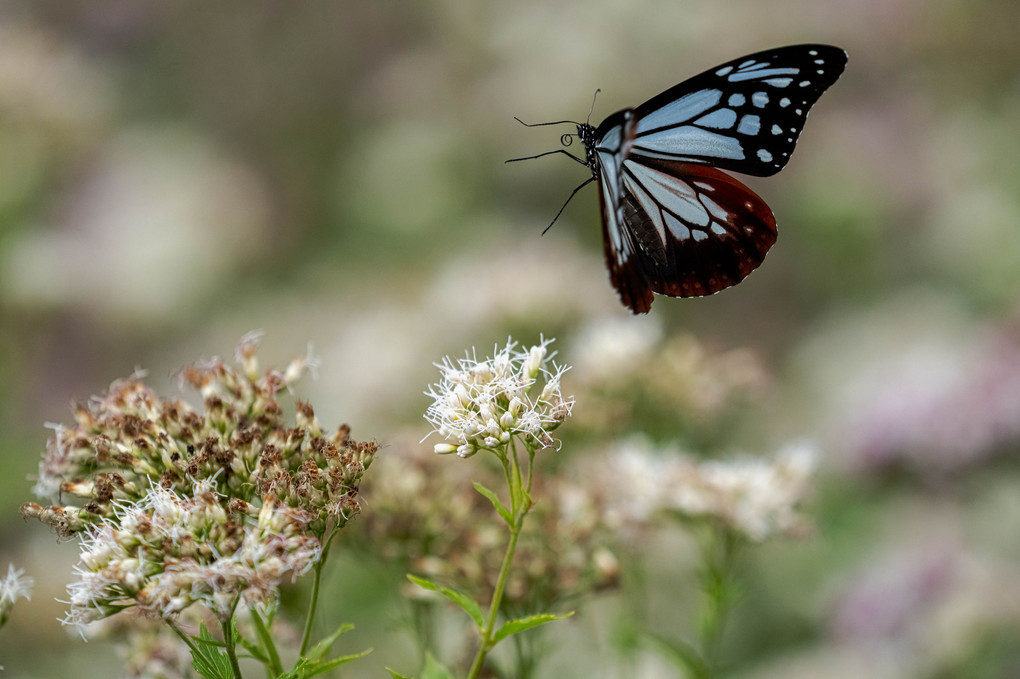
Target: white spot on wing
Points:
x,y
776,129
724,70
759,99
736,100
764,155
779,82
699,234
718,229
784,102
704,186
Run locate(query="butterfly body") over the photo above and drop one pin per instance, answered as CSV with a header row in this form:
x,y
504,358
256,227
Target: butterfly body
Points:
x,y
673,222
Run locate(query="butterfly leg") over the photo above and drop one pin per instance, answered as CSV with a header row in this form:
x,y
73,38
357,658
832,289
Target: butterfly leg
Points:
x,y
588,181
549,153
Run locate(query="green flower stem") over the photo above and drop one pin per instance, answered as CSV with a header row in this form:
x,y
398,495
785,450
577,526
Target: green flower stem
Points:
x,y
422,612
228,640
275,668
195,655
520,503
720,592
314,603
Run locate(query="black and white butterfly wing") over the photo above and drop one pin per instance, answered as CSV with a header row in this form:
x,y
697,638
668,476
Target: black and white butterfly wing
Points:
x,y
676,228
744,115
674,224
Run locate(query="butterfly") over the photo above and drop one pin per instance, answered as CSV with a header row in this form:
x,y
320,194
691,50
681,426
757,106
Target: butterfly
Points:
x,y
673,222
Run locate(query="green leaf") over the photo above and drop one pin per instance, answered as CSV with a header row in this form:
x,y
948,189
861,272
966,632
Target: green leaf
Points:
x,y
396,675
494,499
683,654
319,650
522,624
312,663
434,669
306,667
207,658
462,600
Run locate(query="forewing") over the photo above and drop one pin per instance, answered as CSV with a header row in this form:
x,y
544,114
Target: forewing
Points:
x,y
693,229
744,115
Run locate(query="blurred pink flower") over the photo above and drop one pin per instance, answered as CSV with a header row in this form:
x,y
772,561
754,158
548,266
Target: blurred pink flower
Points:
x,y
942,409
890,596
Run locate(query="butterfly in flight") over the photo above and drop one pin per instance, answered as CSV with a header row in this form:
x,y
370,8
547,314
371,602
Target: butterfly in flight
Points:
x,y
672,221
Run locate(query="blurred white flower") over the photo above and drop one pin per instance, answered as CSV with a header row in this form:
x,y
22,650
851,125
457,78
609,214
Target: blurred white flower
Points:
x,y
15,586
481,404
611,347
532,279
55,104
158,219
756,497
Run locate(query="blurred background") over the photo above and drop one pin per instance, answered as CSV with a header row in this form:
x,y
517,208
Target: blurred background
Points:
x,y
173,175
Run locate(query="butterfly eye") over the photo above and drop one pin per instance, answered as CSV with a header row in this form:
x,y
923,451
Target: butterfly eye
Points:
x,y
567,139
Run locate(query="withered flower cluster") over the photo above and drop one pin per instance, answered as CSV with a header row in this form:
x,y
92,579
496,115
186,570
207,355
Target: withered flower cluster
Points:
x,y
176,505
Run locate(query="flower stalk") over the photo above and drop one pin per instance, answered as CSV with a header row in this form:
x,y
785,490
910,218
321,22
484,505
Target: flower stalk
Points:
x,y
520,504
313,603
492,405
719,591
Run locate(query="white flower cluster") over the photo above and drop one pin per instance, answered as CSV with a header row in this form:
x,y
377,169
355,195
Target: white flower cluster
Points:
x,y
16,585
755,497
166,552
479,405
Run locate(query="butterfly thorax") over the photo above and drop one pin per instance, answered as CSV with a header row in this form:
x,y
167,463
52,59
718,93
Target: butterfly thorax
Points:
x,y
586,133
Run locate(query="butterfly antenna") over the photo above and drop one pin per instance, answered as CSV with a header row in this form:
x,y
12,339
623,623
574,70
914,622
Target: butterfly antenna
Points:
x,y
557,122
588,181
592,109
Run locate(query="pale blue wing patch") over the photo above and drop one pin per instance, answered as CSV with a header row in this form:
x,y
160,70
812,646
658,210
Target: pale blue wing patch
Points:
x,y
679,111
749,125
721,119
688,141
